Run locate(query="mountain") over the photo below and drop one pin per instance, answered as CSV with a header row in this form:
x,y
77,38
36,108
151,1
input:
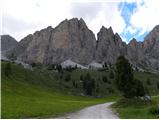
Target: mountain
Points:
x,y
72,40
7,42
109,46
145,54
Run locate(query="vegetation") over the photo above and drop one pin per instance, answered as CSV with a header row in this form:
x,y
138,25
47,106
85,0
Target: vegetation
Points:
x,y
29,94
88,84
125,81
137,108
44,93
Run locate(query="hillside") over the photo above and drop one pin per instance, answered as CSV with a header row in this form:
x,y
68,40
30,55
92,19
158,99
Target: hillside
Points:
x,y
22,98
44,93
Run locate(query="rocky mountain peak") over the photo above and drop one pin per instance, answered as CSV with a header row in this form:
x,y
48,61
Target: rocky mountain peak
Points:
x,y
110,30
72,40
7,42
133,42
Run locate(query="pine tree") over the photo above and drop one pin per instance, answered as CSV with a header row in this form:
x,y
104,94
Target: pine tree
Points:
x,y
125,81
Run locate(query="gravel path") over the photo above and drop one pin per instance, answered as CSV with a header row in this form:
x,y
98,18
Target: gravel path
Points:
x,y
101,111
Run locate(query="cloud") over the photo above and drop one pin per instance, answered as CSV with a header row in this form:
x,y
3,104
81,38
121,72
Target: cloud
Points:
x,y
98,14
146,16
22,17
86,10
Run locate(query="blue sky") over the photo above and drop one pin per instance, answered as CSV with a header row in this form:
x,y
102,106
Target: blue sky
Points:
x,y
129,18
127,10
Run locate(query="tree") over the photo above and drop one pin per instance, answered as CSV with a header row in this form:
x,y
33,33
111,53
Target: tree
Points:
x,y
105,79
7,70
81,77
67,77
125,81
138,88
74,84
88,84
148,81
111,74
59,68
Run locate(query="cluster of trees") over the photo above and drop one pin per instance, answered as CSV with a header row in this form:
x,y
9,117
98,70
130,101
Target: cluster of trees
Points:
x,y
88,84
59,68
125,81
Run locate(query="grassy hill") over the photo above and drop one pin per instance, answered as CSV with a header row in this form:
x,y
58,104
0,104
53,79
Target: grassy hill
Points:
x,y
28,94
45,93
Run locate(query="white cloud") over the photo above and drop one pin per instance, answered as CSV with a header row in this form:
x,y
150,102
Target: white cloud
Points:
x,y
22,17
146,16
31,15
108,15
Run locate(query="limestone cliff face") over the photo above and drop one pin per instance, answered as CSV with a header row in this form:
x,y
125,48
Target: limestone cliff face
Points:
x,y
145,54
72,40
7,42
141,54
109,46
151,49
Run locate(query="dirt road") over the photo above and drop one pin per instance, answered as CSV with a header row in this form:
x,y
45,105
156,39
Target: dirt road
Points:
x,y
101,111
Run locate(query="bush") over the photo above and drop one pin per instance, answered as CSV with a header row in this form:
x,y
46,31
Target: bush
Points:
x,y
148,81
88,84
67,77
81,77
105,79
154,110
74,84
111,74
138,88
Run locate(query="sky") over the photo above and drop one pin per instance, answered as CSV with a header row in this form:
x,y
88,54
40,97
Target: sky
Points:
x,y
129,18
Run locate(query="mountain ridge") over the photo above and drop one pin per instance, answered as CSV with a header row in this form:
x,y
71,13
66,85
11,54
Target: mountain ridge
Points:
x,y
72,39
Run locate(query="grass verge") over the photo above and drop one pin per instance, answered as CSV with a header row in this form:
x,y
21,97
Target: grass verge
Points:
x,y
137,109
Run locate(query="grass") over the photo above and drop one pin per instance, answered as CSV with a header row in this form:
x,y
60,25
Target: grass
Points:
x,y
137,109
23,99
44,94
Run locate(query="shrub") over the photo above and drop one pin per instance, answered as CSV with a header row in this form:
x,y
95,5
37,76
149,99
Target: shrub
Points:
x,y
154,110
148,81
88,84
105,79
67,77
111,74
74,84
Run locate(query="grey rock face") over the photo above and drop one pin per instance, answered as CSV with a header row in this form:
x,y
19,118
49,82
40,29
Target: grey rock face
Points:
x,y
71,39
109,46
145,54
151,49
7,42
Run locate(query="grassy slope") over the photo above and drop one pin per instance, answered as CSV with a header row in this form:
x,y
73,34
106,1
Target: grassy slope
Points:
x,y
136,109
23,98
28,93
